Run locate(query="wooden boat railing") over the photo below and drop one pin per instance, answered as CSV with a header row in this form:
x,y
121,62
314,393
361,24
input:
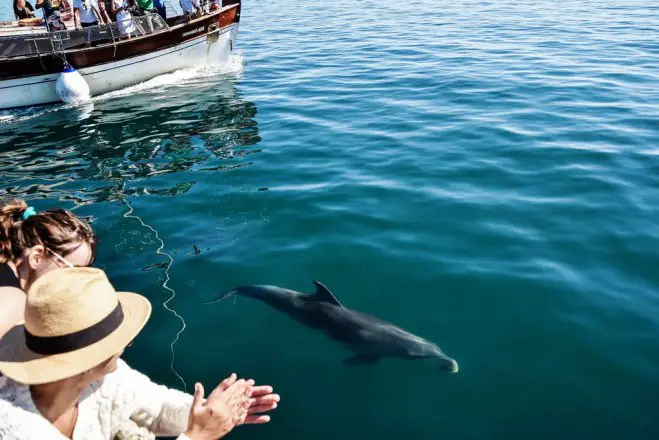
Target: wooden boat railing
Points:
x,y
40,43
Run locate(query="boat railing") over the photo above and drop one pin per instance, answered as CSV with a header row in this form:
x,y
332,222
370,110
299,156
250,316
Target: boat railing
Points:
x,y
45,43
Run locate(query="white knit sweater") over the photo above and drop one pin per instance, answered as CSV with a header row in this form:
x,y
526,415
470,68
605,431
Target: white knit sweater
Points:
x,y
124,405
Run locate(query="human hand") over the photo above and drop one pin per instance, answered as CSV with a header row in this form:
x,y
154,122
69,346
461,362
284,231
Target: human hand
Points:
x,y
263,400
226,407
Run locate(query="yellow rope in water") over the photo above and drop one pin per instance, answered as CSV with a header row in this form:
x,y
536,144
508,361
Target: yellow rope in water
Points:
x,y
165,286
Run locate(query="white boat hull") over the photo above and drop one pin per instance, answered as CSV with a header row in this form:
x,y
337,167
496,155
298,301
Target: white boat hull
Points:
x,y
116,75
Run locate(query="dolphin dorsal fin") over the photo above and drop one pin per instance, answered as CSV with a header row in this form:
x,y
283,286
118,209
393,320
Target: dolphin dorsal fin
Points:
x,y
323,294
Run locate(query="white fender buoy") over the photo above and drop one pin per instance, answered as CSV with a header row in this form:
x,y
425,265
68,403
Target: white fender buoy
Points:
x,y
71,87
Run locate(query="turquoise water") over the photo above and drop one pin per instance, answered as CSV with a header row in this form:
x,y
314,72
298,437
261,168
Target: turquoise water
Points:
x,y
484,174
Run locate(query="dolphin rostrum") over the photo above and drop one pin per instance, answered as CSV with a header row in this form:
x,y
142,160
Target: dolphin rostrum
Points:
x,y
371,338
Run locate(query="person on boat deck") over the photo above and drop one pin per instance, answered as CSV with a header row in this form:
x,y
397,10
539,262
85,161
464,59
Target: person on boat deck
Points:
x,y
63,377
52,13
23,9
191,8
32,244
105,7
87,13
143,6
160,8
215,5
123,17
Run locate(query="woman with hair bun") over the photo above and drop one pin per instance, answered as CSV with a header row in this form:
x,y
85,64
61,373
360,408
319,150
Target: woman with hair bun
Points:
x,y
32,244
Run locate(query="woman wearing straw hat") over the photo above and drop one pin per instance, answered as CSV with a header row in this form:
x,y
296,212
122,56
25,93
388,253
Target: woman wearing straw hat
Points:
x,y
32,244
63,377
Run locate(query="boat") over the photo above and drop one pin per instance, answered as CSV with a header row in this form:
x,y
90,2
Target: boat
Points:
x,y
32,58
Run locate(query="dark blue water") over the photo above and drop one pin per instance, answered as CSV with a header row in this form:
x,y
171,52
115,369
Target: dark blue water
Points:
x,y
484,174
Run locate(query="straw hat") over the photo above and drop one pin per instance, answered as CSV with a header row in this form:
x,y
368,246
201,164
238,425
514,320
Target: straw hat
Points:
x,y
74,321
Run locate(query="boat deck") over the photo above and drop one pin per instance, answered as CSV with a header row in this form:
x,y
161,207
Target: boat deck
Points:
x,y
29,41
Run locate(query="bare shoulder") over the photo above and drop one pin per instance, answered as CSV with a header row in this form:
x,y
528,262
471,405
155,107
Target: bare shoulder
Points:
x,y
13,308
8,293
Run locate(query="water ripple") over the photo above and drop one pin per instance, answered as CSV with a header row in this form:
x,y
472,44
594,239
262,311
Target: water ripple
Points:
x,y
482,172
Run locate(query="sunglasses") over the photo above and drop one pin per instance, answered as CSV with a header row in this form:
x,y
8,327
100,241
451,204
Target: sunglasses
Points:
x,y
62,259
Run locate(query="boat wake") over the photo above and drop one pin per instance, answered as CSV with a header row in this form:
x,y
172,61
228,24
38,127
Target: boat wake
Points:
x,y
82,111
23,114
179,78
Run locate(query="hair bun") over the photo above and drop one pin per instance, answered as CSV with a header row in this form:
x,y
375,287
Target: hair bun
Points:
x,y
13,209
11,212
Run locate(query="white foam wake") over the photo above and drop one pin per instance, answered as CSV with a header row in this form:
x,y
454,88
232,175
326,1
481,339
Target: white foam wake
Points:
x,y
179,78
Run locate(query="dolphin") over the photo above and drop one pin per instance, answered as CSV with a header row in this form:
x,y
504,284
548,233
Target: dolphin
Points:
x,y
370,337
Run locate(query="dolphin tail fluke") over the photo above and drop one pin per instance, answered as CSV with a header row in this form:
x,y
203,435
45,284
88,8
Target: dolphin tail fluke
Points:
x,y
362,359
223,296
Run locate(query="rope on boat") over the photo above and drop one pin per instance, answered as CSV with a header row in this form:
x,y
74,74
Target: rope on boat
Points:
x,y
165,304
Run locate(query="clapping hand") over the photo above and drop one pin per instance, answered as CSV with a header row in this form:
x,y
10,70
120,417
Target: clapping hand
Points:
x,y
263,400
233,402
